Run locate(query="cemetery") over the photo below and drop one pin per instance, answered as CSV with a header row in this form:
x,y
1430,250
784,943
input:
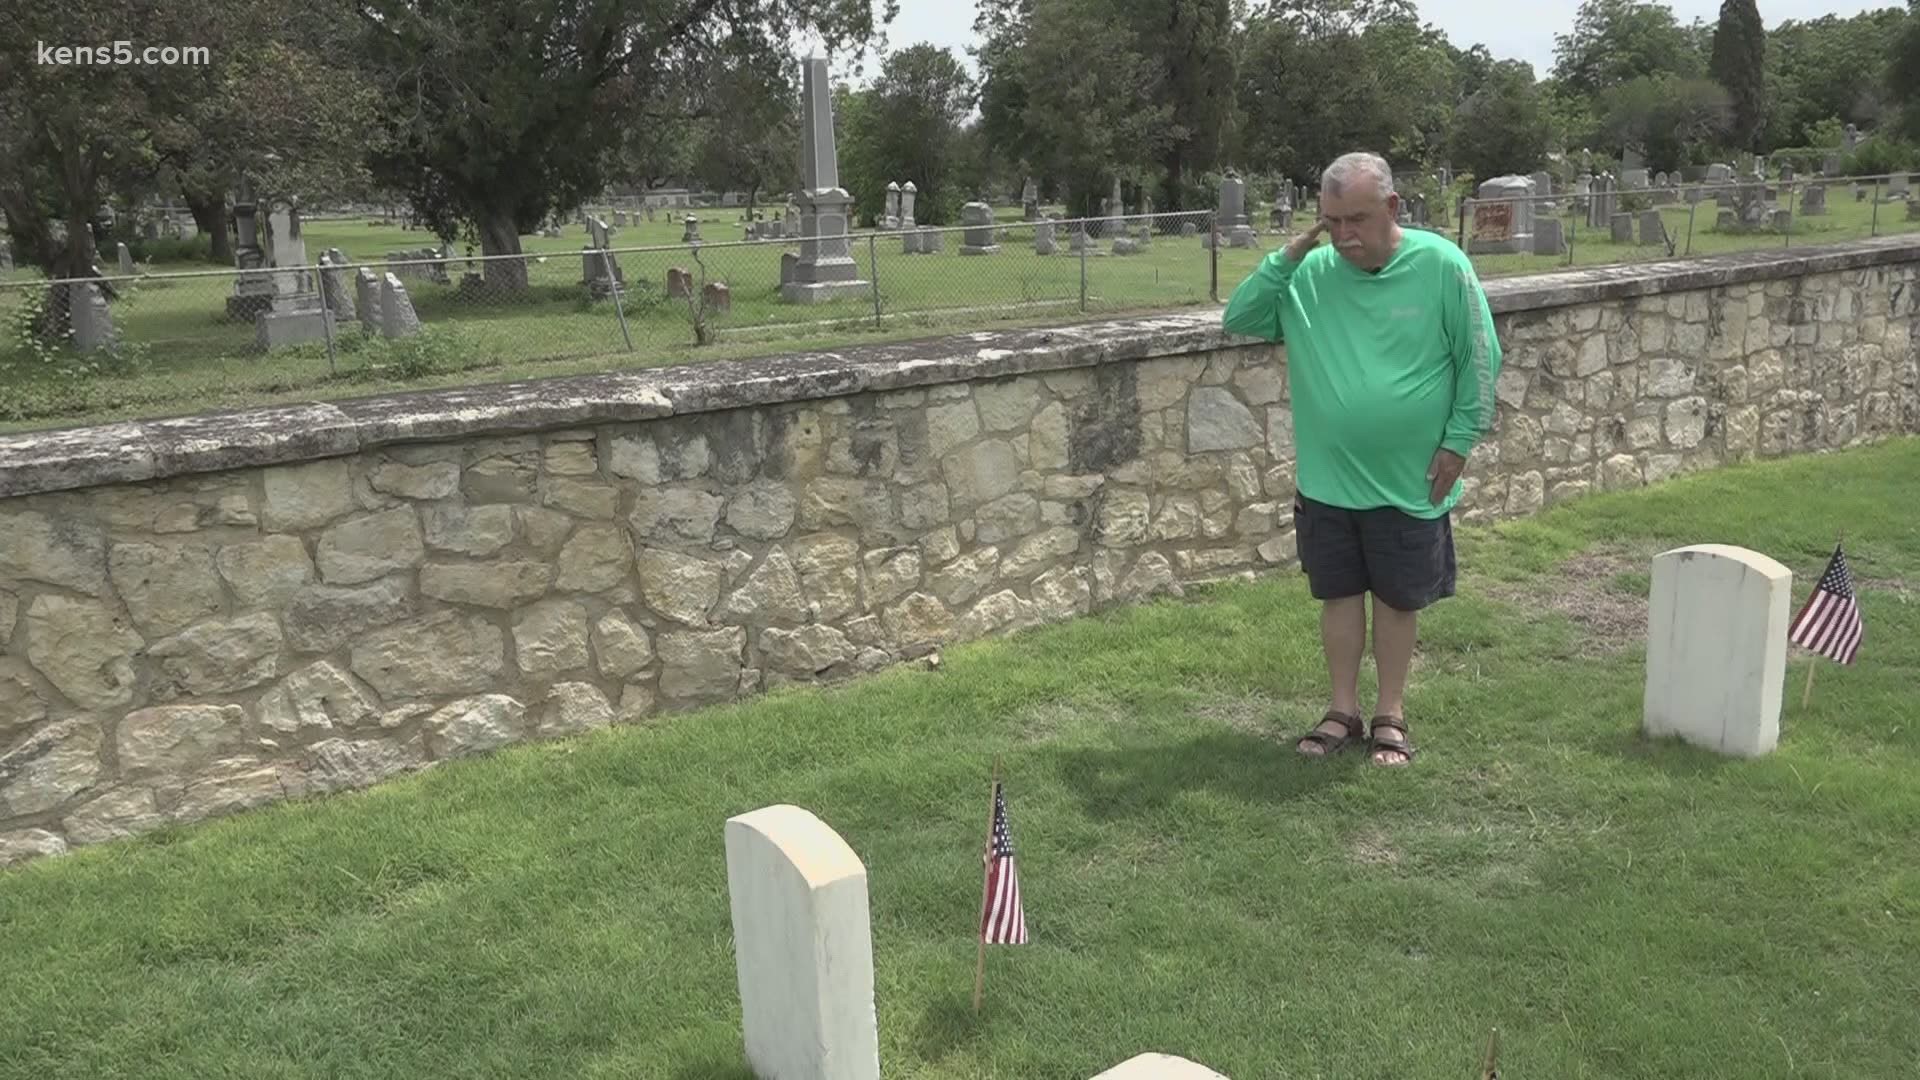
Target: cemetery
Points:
x,y
713,565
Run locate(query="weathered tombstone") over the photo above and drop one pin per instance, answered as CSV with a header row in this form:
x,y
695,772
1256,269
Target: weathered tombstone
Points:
x,y
1783,218
1622,226
1634,179
803,948
1043,241
907,194
366,290
1726,221
1653,229
1125,245
977,238
333,291
1188,228
1030,200
691,234
252,290
1233,211
1547,238
1153,1066
825,271
1717,648
717,297
1502,219
126,258
679,283
1913,210
397,319
1813,201
90,317
890,219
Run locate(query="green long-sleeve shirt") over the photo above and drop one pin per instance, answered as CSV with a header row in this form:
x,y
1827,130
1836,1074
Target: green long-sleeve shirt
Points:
x,y
1383,368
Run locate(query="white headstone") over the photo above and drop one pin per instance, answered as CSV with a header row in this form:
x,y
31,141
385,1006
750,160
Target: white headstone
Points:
x,y
803,948
1159,1067
1717,648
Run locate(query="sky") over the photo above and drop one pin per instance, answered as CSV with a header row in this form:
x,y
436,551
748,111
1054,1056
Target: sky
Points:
x,y
1514,29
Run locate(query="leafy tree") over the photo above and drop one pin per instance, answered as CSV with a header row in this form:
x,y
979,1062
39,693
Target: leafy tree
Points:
x,y
1673,121
1316,83
1738,64
747,132
1902,76
1504,126
906,130
1616,41
500,112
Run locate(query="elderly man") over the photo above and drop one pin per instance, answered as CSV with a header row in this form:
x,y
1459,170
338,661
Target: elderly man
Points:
x,y
1391,361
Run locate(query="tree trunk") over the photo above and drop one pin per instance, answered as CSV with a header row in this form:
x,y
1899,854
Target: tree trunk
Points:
x,y
1176,182
209,210
499,235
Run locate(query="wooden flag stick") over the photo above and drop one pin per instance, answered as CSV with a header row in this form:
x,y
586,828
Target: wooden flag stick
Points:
x,y
1489,1068
1806,696
986,855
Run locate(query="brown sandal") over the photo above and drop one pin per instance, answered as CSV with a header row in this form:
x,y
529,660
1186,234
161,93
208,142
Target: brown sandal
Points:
x,y
1327,740
1395,739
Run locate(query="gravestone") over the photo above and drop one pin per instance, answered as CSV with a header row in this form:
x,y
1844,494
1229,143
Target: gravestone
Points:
x,y
1233,211
679,283
252,289
1622,226
1653,229
126,258
1547,237
1634,179
826,271
803,947
1159,1067
1030,200
90,317
366,295
334,294
691,233
1043,241
717,297
397,319
1717,648
1502,217
977,238
1813,201
890,218
907,194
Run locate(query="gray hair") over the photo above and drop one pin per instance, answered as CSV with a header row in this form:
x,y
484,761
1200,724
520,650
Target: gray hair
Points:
x,y
1344,168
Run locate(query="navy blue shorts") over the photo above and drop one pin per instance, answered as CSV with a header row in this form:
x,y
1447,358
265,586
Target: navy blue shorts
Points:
x,y
1406,562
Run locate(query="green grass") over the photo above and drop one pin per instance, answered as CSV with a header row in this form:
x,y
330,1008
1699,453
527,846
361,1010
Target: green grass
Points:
x,y
1617,907
184,355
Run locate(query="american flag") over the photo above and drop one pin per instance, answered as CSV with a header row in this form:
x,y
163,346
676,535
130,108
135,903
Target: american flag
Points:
x,y
1003,922
1830,622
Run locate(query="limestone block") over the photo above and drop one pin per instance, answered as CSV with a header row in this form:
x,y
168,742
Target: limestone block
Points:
x,y
802,946
1159,1067
1717,648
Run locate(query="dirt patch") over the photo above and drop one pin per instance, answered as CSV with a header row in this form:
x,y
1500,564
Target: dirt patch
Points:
x,y
1372,848
1906,592
1603,590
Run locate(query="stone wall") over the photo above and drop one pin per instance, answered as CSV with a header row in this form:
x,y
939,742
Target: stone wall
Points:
x,y
207,614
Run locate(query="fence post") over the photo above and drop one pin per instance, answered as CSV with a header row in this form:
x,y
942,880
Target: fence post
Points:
x,y
613,285
1792,194
326,316
1213,260
873,266
1084,241
1692,209
1876,207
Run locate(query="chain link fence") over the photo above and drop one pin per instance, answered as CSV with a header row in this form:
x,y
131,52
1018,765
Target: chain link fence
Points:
x,y
372,309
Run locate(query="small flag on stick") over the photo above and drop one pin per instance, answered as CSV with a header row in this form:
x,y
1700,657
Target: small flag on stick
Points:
x,y
1003,919
1829,624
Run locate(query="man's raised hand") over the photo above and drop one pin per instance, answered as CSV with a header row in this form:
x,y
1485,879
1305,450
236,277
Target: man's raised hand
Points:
x,y
1304,243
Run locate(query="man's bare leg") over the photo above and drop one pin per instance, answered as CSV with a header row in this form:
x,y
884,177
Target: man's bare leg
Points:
x,y
1343,637
1393,637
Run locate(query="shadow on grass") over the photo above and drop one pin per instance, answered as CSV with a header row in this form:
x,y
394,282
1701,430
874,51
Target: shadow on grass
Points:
x,y
1114,783
949,1024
